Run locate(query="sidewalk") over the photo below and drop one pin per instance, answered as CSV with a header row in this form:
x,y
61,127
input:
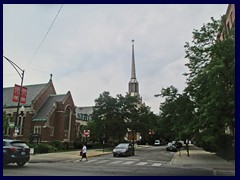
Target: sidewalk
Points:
x,y
198,158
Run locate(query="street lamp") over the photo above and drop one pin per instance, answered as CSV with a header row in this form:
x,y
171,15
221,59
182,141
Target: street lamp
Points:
x,y
103,136
133,138
104,127
21,74
22,110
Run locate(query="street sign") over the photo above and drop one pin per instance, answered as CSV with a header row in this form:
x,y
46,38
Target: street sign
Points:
x,y
86,133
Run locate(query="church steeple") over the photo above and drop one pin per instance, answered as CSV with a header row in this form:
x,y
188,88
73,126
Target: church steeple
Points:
x,y
133,76
133,84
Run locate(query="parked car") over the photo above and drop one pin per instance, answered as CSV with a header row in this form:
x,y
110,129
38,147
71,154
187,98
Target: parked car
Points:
x,y
157,143
124,149
171,147
15,151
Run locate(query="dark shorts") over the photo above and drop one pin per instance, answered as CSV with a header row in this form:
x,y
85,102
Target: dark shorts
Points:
x,y
84,155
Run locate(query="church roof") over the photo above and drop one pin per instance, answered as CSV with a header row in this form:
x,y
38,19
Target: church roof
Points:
x,y
49,105
32,92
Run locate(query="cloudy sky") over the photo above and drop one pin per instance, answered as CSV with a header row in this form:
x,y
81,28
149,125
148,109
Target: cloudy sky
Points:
x,y
87,48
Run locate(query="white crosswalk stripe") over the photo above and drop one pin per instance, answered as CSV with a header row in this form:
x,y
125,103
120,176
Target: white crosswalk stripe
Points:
x,y
92,160
141,163
156,164
116,162
129,162
102,161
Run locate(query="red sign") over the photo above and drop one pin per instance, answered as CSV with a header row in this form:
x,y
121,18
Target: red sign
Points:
x,y
86,133
16,93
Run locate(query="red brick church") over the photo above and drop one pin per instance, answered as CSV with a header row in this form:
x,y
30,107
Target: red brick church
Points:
x,y
46,114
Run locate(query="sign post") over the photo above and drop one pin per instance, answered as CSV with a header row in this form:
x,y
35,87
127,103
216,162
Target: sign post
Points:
x,y
86,134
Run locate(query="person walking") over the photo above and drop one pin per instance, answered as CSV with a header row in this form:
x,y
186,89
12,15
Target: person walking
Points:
x,y
84,153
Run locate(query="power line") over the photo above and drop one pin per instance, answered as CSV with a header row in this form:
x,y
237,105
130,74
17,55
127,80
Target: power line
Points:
x,y
45,35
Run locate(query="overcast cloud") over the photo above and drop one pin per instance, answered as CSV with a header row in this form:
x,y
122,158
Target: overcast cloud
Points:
x,y
88,49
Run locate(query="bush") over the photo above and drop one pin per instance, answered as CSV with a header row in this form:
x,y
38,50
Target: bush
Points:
x,y
65,145
77,145
210,144
226,148
44,148
56,144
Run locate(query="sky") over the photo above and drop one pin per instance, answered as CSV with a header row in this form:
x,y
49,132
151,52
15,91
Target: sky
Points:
x,y
87,48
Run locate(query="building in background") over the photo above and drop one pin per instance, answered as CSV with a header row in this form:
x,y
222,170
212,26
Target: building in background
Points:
x,y
83,116
230,17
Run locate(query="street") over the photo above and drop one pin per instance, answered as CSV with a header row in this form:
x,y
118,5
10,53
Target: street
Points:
x,y
152,161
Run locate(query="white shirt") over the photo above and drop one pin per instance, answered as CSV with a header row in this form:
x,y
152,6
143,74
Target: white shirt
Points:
x,y
84,149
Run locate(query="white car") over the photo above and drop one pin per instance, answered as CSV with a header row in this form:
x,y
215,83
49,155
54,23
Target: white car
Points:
x,y
157,143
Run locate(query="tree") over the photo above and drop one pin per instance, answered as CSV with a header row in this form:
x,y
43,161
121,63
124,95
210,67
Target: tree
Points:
x,y
211,82
176,115
114,117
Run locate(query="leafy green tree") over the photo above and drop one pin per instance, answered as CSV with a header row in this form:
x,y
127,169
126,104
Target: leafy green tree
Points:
x,y
114,117
108,119
168,113
211,82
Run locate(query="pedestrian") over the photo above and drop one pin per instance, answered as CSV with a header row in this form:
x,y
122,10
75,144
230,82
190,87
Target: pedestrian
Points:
x,y
84,152
187,147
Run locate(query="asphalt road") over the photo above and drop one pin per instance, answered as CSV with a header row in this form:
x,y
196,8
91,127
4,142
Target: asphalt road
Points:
x,y
153,161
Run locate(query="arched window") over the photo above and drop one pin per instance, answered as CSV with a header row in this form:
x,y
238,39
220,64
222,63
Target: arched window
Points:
x,y
20,124
67,118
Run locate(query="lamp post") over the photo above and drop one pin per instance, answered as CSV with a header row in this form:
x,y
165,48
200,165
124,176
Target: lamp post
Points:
x,y
21,74
103,136
133,138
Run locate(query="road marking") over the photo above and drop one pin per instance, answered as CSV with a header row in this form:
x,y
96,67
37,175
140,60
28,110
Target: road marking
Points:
x,y
224,173
116,162
103,161
128,158
123,162
156,164
141,163
129,162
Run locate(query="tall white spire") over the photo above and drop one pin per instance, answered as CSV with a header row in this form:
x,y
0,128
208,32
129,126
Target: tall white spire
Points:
x,y
133,76
133,84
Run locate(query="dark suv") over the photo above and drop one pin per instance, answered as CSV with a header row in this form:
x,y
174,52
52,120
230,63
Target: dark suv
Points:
x,y
15,151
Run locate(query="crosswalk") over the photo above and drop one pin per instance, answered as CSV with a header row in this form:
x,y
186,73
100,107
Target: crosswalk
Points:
x,y
224,172
122,162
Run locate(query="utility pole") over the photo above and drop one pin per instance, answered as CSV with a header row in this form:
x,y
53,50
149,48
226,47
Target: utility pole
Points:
x,y
21,74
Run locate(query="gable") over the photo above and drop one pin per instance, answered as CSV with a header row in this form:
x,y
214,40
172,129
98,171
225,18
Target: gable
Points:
x,y
47,108
32,92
